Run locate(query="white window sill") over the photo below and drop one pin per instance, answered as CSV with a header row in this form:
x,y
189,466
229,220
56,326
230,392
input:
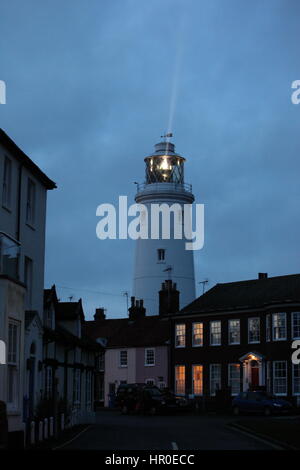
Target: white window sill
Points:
x,y
149,365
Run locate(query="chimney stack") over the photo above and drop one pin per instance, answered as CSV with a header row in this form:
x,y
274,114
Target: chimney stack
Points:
x,y
99,314
137,309
262,275
168,298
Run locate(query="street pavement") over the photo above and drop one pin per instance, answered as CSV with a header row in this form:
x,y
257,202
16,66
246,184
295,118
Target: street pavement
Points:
x,y
114,431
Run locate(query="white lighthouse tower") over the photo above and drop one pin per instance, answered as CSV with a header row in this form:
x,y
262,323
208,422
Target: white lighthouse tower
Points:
x,y
159,259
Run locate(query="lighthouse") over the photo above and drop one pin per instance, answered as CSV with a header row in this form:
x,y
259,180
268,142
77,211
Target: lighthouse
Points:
x,y
159,258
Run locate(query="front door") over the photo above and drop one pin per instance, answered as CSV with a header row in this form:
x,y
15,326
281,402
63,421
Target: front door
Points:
x,y
254,377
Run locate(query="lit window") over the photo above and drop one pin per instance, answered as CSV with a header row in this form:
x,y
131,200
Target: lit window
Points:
x,y
215,333
234,331
279,378
30,206
149,357
296,325
123,358
161,254
254,330
215,378
197,339
279,326
180,335
234,378
296,379
6,188
180,380
197,372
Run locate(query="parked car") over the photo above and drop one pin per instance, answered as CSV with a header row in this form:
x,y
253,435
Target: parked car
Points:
x,y
3,425
260,402
142,398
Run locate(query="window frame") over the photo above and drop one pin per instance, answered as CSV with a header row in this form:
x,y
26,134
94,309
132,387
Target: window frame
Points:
x,y
13,366
194,366
273,327
280,394
211,391
145,357
201,333
234,394
210,333
239,331
7,183
177,345
293,326
295,394
120,358
259,330
180,392
31,202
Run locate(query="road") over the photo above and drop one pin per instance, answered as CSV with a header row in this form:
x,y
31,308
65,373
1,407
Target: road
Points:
x,y
114,431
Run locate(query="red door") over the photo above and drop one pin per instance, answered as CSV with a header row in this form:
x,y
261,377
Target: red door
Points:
x,y
254,377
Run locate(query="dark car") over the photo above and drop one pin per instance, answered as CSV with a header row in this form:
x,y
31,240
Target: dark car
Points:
x,y
142,398
260,402
3,425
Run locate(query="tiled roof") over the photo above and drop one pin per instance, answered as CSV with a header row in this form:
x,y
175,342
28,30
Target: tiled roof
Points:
x,y
147,331
69,310
247,294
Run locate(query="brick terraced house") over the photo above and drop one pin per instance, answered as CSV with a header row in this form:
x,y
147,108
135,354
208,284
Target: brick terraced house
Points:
x,y
238,336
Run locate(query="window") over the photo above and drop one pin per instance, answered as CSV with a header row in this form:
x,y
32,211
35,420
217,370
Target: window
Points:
x,y
197,372
254,330
149,357
101,361
180,380
268,327
215,378
77,387
279,326
123,358
48,382
296,325
180,335
161,385
279,378
9,256
215,333
28,276
150,382
269,383
13,363
161,253
234,331
88,383
197,339
6,188
234,379
296,379
30,206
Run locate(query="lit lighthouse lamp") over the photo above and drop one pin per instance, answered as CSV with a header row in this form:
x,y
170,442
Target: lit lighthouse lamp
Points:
x,y
164,185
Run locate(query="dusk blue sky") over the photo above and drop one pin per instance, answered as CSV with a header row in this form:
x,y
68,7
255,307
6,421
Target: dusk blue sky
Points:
x,y
90,89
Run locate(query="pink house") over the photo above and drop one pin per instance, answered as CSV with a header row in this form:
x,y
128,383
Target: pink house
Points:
x,y
137,347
